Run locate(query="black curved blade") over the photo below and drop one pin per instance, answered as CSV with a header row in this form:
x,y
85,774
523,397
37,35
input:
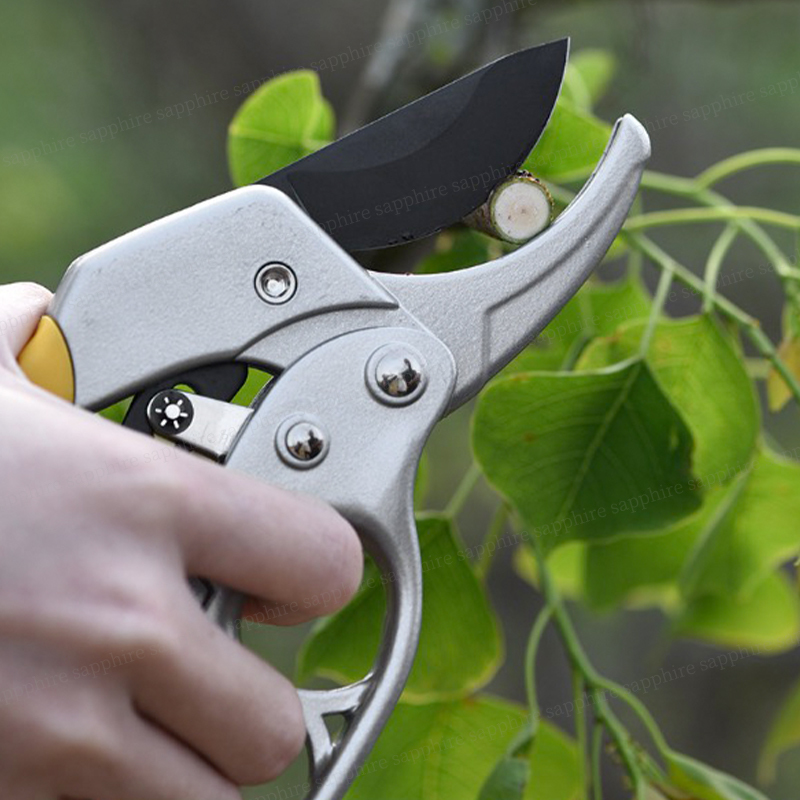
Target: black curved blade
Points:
x,y
428,164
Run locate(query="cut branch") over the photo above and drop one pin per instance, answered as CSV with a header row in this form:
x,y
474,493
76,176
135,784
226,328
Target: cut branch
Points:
x,y
516,211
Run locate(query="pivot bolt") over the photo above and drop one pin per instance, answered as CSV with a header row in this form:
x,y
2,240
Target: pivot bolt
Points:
x,y
396,374
301,442
170,412
275,283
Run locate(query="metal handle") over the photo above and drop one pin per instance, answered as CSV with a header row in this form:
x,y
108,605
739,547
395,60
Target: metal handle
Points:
x,y
366,704
371,439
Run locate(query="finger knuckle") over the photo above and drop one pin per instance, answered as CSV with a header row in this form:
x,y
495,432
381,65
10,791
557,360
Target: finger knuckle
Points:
x,y
160,493
143,612
76,740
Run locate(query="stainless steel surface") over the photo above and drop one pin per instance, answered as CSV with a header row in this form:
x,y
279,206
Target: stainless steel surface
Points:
x,y
368,476
487,314
132,312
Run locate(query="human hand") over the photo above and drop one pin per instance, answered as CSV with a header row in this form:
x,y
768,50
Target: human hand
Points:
x,y
113,683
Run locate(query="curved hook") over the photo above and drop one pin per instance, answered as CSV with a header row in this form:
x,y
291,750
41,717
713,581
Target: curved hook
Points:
x,y
487,314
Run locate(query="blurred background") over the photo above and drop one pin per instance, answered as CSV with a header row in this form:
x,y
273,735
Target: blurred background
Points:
x,y
69,70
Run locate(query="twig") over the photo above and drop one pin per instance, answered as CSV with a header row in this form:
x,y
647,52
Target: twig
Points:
x,y
535,637
578,689
517,210
463,491
742,161
597,753
749,324
683,216
714,263
687,188
662,292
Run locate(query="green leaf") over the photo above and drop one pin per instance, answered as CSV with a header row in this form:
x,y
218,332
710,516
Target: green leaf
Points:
x,y
642,571
457,249
778,393
284,120
586,456
460,647
571,145
596,310
752,533
589,74
507,780
447,751
769,618
117,412
742,533
257,379
784,735
612,304
566,566
702,782
705,379
555,766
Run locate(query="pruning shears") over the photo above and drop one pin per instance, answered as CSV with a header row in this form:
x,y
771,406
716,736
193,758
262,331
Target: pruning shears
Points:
x,y
365,363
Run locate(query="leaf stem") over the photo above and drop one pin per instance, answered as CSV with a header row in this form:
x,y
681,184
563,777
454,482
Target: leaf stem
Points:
x,y
639,709
591,679
714,263
463,491
535,637
663,260
682,216
662,292
578,689
749,324
742,161
622,741
688,189
597,755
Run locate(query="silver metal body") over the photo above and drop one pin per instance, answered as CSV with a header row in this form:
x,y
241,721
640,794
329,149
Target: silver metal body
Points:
x,y
369,361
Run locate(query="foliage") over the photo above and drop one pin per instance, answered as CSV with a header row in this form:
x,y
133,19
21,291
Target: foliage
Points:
x,y
627,450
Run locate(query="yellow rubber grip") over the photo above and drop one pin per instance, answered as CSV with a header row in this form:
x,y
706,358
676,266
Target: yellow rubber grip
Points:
x,y
47,362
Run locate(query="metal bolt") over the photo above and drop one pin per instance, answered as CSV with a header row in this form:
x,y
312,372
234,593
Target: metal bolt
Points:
x,y
170,412
301,441
276,283
396,375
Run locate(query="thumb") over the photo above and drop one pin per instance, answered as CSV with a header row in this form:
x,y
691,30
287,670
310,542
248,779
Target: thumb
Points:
x,y
21,307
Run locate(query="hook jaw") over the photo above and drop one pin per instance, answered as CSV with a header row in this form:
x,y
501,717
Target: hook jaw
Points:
x,y
487,314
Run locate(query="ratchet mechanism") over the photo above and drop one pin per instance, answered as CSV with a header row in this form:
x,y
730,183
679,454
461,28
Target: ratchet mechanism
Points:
x,y
366,363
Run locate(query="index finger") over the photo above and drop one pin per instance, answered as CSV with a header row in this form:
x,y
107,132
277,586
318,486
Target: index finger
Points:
x,y
264,541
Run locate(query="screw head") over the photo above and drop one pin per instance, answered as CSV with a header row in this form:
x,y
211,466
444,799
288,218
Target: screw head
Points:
x,y
276,283
170,412
301,441
396,374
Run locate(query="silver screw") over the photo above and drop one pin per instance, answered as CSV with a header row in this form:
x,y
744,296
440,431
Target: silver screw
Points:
x,y
276,283
396,375
301,441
